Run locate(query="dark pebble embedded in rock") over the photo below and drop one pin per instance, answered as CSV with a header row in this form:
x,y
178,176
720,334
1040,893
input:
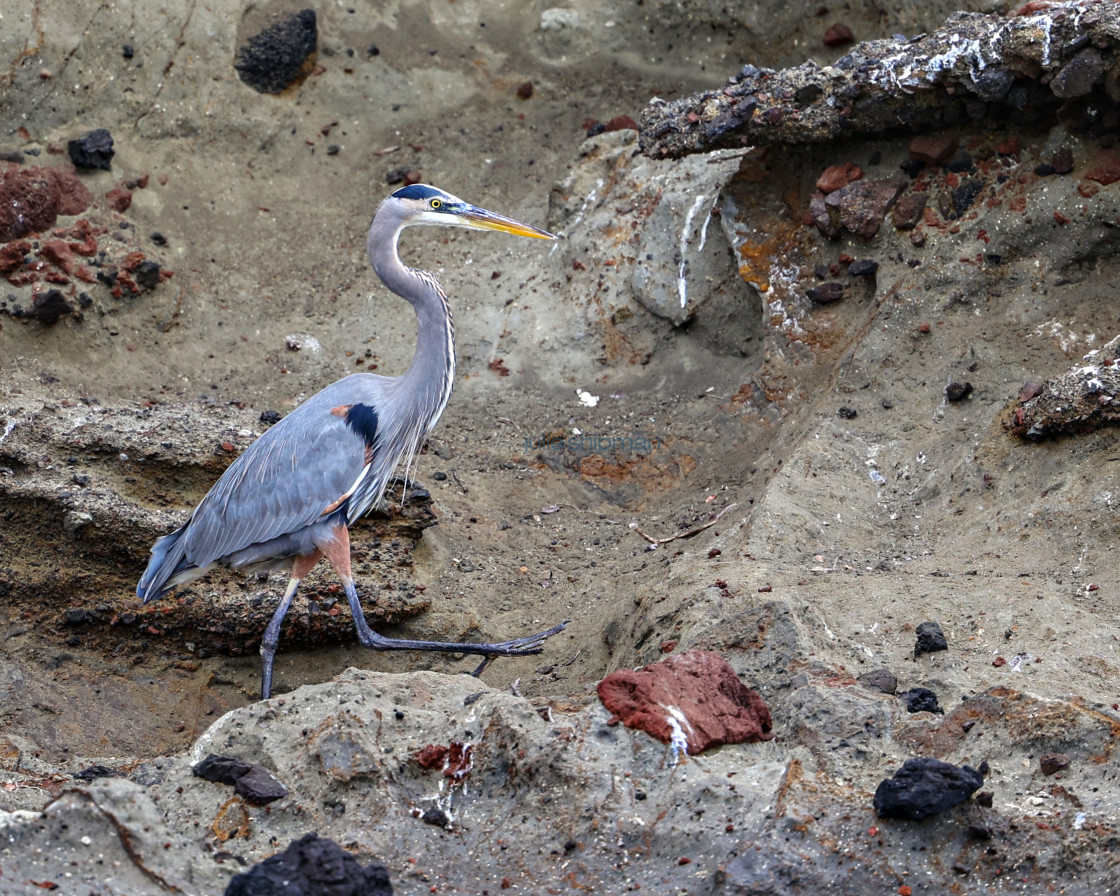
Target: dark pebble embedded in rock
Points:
x,y
930,639
436,817
958,391
882,680
312,866
221,769
281,55
147,274
925,787
964,195
846,413
259,786
49,306
863,267
920,700
270,417
94,150
833,291
1053,762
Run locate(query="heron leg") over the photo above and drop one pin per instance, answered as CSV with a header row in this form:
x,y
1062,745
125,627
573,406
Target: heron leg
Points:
x,y
338,553
271,639
517,647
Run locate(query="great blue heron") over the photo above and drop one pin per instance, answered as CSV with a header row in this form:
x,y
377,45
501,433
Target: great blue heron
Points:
x,y
289,499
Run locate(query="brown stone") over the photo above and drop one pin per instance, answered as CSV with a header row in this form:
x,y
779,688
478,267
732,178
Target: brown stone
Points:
x,y
826,293
1053,762
908,210
836,176
933,149
698,690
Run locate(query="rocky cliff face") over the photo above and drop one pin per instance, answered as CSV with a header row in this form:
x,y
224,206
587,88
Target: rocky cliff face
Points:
x,y
789,402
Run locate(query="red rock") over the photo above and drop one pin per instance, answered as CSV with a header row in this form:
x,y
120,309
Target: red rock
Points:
x,y
120,198
836,176
837,35
132,260
933,149
84,242
454,759
622,123
31,199
1104,168
57,252
73,195
11,256
699,690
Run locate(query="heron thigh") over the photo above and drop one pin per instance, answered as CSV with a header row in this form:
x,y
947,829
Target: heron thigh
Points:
x,y
337,550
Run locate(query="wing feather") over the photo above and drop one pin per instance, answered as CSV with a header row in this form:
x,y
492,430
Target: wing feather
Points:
x,y
285,480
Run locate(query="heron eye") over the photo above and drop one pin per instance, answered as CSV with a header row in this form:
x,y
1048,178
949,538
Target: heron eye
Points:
x,y
436,203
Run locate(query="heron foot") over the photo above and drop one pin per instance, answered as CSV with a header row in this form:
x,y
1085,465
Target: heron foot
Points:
x,y
517,647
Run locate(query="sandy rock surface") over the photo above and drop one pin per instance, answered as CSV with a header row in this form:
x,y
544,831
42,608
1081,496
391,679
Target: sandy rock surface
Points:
x,y
884,365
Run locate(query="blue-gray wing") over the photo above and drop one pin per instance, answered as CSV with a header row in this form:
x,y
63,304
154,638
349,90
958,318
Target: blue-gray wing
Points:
x,y
286,480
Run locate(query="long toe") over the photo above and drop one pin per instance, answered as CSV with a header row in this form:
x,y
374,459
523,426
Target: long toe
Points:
x,y
528,645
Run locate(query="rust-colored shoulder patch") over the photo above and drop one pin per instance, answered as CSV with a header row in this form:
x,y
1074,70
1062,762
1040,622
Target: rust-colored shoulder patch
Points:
x,y
342,410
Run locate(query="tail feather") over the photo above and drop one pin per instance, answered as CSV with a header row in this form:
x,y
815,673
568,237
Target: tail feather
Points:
x,y
166,563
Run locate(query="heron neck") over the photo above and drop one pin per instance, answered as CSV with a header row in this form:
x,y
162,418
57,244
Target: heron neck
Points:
x,y
428,380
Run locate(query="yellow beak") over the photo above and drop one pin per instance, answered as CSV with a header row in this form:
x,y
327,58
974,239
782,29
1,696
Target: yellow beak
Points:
x,y
478,217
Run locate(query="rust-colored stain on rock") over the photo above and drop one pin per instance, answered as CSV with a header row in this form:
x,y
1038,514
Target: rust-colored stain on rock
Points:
x,y
699,690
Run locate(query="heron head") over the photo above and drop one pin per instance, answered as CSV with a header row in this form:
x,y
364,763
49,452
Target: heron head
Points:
x,y
422,204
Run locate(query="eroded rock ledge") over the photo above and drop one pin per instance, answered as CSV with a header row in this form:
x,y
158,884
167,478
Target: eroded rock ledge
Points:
x,y
1026,68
